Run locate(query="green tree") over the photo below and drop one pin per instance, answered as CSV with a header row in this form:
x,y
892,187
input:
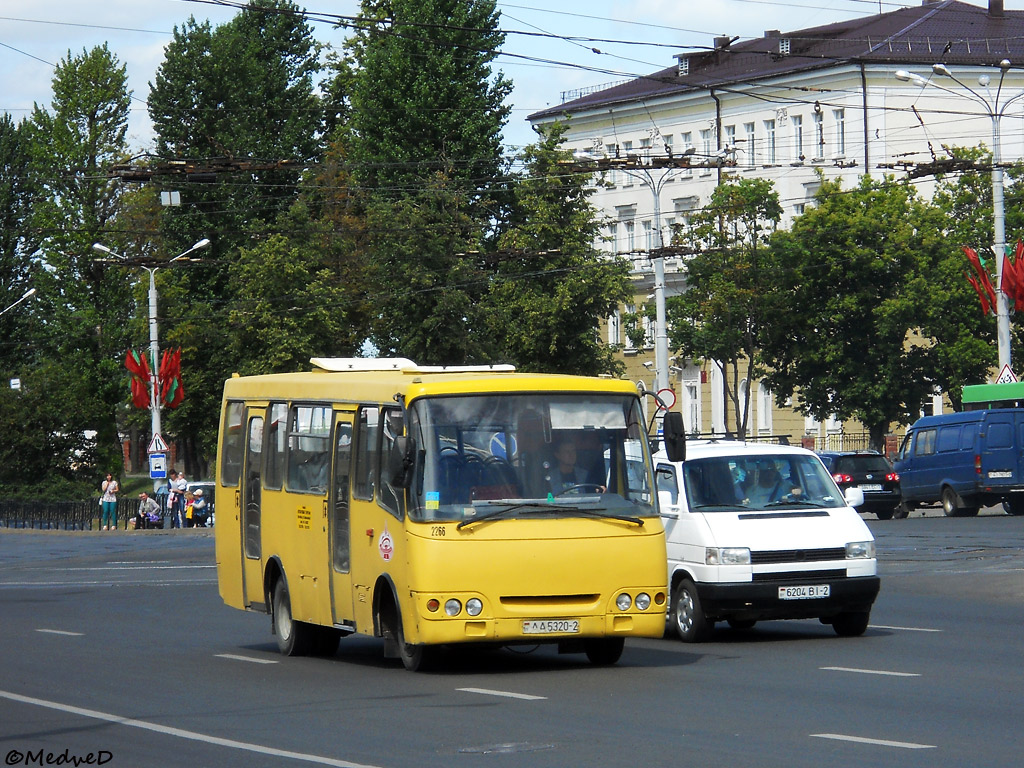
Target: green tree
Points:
x,y
424,97
852,280
85,306
15,246
723,311
551,286
226,95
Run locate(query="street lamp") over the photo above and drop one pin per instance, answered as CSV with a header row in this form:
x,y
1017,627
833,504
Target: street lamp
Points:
x,y
27,293
154,347
647,178
995,109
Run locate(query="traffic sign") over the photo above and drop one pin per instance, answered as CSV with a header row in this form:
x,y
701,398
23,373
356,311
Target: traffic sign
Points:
x,y
668,397
157,444
1006,375
157,466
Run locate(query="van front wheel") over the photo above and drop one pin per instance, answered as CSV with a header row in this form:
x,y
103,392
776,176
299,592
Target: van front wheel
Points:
x,y
688,617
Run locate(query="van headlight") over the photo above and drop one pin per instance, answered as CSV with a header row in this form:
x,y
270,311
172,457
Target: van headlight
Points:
x,y
726,556
860,550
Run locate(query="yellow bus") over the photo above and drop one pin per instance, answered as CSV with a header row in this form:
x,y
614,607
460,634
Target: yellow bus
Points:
x,y
416,504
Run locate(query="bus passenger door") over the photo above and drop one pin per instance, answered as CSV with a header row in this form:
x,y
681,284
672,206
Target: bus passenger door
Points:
x,y
250,504
339,523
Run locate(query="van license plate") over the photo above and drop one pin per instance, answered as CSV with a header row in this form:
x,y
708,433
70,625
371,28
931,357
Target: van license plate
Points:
x,y
551,627
1000,474
804,592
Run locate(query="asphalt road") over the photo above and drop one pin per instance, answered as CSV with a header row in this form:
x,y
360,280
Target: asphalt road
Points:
x,y
117,648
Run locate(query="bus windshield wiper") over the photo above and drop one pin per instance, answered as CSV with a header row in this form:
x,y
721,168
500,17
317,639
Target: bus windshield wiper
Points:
x,y
494,513
541,506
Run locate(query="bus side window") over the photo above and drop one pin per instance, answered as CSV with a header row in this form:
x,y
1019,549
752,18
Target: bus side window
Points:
x,y
308,448
342,466
364,477
276,446
388,496
231,457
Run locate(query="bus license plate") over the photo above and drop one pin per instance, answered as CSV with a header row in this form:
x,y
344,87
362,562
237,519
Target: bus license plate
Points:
x,y
551,626
804,592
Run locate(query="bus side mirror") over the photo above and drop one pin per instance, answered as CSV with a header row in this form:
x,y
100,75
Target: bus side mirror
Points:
x,y
674,436
400,462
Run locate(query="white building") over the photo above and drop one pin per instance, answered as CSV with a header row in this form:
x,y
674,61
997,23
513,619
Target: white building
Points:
x,y
786,107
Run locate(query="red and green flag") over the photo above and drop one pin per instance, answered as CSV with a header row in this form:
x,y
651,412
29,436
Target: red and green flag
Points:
x,y
138,366
172,391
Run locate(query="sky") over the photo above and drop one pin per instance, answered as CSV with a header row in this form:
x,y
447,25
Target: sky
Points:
x,y
575,44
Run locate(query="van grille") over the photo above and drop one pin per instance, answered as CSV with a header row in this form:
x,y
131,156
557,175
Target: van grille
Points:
x,y
805,576
797,555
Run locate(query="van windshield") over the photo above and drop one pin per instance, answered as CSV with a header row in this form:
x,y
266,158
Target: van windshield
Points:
x,y
769,481
567,455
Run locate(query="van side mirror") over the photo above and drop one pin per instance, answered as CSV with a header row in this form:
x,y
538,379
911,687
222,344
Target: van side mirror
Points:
x,y
674,436
400,462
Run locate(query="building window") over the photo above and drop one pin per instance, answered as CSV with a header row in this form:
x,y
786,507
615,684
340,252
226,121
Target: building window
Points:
x,y
730,135
839,116
764,409
706,148
798,138
819,135
630,236
751,149
615,328
612,150
649,243
613,236
687,139
769,142
627,148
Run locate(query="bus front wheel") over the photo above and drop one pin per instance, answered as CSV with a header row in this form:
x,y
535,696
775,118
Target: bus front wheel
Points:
x,y
293,637
604,651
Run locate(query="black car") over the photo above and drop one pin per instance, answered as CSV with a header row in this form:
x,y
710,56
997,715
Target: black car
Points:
x,y
873,474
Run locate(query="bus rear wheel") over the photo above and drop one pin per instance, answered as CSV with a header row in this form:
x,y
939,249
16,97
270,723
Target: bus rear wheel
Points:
x,y
294,638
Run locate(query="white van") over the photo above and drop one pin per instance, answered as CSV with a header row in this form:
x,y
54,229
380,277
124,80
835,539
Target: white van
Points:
x,y
758,531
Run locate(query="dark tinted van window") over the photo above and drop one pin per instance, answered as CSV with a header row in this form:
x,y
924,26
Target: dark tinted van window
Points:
x,y
1000,435
949,438
970,432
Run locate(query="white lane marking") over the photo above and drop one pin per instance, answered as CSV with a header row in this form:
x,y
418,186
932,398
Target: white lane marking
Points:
x,y
139,568
905,629
165,583
61,632
506,694
871,671
182,734
236,657
876,742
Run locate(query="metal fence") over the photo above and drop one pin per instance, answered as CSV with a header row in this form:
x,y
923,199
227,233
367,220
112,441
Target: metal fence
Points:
x,y
62,515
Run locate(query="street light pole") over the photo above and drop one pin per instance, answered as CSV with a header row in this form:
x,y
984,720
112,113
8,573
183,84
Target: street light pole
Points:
x,y
26,295
995,110
154,344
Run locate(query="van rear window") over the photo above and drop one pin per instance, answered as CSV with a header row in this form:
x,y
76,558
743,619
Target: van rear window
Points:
x,y
1000,435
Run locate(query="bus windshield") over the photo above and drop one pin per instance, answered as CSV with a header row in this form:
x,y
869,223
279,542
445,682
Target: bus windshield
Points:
x,y
540,454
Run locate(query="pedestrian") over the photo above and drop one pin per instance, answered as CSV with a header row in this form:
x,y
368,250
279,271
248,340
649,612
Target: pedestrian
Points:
x,y
148,515
180,489
172,497
108,503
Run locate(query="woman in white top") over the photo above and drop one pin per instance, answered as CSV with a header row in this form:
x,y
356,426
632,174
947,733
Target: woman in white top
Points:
x,y
108,501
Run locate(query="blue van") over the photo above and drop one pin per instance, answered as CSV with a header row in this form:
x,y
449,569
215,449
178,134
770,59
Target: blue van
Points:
x,y
964,460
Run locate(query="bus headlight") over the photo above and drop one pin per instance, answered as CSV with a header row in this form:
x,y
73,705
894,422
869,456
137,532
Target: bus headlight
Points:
x,y
452,607
643,601
727,556
860,550
474,606
623,601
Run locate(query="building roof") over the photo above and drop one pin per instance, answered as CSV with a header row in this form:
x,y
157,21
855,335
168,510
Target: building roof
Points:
x,y
947,31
